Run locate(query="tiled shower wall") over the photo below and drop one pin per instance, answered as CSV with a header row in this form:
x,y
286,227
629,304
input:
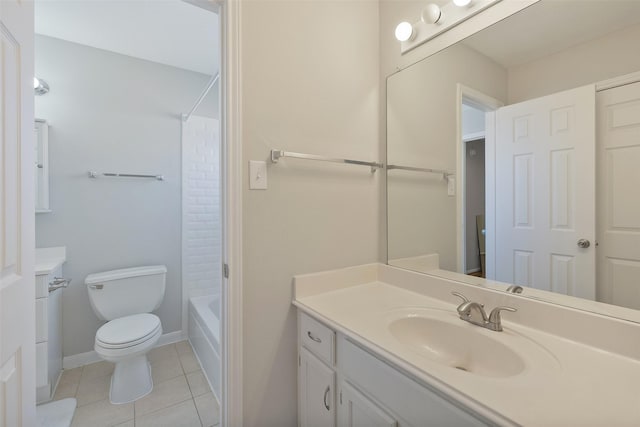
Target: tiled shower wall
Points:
x,y
201,221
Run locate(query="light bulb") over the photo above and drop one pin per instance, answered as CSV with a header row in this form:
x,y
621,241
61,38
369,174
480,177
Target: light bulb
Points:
x,y
404,31
36,82
431,14
461,3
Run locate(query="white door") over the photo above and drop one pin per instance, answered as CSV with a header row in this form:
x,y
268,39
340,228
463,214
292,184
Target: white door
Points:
x,y
17,287
618,201
544,193
316,392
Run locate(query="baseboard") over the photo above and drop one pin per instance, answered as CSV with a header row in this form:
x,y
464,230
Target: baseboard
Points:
x,y
82,359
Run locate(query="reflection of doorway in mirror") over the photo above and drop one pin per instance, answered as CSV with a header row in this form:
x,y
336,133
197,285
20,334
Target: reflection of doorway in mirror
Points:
x,y
471,164
473,131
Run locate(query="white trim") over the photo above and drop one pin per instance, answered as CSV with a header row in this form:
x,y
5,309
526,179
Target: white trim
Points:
x,y
618,81
232,165
485,103
473,136
490,196
82,359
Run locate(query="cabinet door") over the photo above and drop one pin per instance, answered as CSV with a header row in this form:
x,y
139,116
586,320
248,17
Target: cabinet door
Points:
x,y
358,411
316,392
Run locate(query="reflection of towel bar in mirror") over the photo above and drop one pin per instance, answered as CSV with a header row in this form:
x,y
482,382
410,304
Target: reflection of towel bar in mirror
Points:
x,y
93,174
445,174
277,154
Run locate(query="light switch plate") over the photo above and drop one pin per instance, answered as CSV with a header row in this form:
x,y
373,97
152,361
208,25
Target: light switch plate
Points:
x,y
451,186
257,175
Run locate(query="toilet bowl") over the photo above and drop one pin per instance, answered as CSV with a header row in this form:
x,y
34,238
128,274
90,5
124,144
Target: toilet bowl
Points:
x,y
125,299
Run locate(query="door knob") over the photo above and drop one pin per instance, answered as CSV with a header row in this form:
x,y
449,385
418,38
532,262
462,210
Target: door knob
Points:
x,y
584,243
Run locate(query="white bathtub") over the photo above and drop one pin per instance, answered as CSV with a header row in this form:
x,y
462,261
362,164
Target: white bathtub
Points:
x,y
204,334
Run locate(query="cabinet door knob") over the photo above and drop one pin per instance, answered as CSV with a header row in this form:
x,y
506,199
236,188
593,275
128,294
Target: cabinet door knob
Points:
x,y
316,339
326,395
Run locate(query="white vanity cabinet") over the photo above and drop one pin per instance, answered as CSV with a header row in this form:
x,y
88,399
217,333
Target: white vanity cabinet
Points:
x,y
316,374
49,284
371,392
356,410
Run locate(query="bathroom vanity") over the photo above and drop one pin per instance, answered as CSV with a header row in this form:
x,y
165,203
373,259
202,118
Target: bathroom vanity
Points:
x,y
382,346
49,284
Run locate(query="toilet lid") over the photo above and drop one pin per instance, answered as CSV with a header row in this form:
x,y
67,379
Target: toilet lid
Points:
x,y
128,330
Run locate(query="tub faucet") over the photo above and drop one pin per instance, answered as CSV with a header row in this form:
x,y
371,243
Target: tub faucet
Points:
x,y
474,313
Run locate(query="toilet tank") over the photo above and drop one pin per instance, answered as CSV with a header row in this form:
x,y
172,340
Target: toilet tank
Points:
x,y
119,293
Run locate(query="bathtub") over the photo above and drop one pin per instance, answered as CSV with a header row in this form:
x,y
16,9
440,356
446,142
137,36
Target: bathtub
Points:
x,y
204,334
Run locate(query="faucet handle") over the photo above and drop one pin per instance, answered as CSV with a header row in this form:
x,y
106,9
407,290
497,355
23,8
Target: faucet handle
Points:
x,y
495,319
459,295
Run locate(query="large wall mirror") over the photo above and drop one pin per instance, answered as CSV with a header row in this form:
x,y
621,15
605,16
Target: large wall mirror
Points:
x,y
514,157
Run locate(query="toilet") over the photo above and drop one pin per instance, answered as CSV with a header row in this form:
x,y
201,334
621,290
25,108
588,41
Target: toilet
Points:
x,y
125,299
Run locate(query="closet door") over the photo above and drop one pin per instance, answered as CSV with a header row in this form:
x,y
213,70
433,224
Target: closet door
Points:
x,y
618,200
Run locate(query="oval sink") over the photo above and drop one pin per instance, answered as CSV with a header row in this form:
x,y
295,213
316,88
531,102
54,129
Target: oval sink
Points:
x,y
457,346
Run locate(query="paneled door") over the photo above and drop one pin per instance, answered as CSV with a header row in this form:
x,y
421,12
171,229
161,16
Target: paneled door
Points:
x,y
17,245
618,200
545,193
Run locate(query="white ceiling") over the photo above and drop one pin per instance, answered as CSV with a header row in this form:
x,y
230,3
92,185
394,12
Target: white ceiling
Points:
x,y
170,32
551,26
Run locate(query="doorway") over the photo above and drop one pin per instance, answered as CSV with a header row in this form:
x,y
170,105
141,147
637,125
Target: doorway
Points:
x,y
115,108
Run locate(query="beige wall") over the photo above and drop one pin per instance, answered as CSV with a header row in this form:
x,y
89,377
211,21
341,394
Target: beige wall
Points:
x,y
422,129
604,58
310,84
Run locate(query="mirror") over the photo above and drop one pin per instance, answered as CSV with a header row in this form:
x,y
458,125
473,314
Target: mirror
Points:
x,y
513,157
42,166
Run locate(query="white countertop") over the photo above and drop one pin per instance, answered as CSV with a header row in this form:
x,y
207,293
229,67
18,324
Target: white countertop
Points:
x,y
48,259
565,382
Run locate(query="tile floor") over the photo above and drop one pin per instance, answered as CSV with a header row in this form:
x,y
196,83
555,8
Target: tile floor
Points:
x,y
181,396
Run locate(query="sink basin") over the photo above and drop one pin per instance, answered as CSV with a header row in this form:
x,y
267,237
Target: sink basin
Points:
x,y
464,347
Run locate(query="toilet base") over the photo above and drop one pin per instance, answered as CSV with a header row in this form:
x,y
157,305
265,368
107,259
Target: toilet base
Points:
x,y
131,380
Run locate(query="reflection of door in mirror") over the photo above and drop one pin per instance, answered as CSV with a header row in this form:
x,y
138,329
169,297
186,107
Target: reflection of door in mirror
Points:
x,y
618,205
543,205
42,166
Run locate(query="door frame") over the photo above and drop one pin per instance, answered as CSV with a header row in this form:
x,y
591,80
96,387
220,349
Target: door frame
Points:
x,y
487,104
231,135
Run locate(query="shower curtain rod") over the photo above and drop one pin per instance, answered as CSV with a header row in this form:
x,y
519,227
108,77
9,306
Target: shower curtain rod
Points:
x,y
204,93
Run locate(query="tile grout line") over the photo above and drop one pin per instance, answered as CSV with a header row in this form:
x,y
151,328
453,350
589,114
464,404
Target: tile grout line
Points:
x,y
167,407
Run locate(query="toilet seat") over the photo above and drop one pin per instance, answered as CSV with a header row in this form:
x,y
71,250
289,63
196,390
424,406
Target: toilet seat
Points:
x,y
129,331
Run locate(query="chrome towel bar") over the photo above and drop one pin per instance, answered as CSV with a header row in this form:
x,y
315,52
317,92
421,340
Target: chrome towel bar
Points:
x,y
93,174
446,174
278,154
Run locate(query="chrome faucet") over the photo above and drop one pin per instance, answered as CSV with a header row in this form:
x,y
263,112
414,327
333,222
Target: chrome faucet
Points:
x,y
515,289
473,312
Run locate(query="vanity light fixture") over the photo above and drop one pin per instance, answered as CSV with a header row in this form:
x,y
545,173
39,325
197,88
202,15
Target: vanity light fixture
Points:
x,y
40,86
432,14
405,32
432,20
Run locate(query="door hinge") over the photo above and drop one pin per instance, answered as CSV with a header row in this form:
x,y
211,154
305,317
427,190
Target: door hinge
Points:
x,y
299,361
341,397
225,270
